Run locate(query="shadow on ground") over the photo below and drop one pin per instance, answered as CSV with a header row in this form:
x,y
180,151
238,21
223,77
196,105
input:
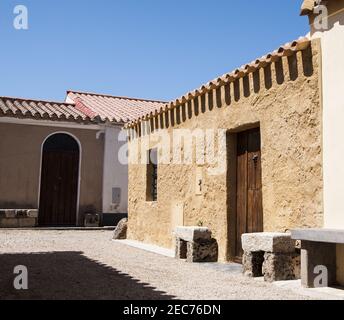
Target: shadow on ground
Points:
x,y
71,276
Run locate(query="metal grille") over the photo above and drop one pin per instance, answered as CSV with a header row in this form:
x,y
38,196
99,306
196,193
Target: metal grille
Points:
x,y
154,182
152,176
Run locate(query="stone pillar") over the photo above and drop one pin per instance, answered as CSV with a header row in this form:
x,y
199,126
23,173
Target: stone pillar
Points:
x,y
202,251
315,254
279,267
181,249
252,264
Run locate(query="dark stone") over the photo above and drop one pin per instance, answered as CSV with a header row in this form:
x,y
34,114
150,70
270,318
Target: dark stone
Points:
x,y
203,250
315,254
181,249
21,214
279,267
121,230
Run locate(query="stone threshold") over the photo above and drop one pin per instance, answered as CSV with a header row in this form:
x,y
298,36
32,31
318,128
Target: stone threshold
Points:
x,y
147,247
61,229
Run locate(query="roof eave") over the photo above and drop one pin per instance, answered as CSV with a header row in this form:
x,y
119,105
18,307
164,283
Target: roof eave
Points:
x,y
307,7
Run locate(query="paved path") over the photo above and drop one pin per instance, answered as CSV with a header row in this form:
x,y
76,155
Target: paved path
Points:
x,y
88,265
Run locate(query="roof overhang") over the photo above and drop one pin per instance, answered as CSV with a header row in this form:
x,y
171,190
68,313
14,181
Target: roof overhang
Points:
x,y
307,7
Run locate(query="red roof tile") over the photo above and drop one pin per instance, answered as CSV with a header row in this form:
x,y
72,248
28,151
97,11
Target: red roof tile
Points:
x,y
112,108
46,110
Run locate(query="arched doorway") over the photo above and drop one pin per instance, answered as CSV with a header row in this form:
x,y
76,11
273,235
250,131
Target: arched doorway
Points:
x,y
59,181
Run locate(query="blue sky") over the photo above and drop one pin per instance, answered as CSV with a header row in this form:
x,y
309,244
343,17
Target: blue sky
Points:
x,y
154,49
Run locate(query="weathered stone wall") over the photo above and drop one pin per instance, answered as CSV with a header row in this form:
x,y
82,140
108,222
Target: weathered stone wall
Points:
x,y
284,100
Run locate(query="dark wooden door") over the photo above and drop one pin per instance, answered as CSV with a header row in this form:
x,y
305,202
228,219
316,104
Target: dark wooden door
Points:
x,y
249,215
59,187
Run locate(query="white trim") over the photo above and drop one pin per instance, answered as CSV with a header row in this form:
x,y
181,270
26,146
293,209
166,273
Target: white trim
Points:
x,y
79,171
48,123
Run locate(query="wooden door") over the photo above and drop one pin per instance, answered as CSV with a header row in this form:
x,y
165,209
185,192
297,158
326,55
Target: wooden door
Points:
x,y
249,215
59,187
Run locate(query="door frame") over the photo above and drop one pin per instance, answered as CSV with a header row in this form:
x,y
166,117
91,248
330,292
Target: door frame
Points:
x,y
232,167
79,170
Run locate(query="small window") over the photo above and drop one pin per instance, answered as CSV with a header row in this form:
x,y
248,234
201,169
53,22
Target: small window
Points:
x,y
152,175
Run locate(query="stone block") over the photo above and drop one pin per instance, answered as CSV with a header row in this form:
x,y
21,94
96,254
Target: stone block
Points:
x,y
268,242
26,222
92,220
8,223
121,230
10,214
18,222
181,249
253,264
202,250
21,214
279,267
319,235
32,213
190,234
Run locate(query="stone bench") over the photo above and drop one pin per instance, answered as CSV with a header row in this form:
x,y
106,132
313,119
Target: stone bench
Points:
x,y
18,218
318,248
195,244
92,220
272,255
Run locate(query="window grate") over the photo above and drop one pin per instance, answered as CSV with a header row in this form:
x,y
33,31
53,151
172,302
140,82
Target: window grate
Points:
x,y
152,176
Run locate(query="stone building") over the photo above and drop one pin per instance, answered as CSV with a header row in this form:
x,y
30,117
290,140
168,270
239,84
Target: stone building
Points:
x,y
269,114
58,161
273,126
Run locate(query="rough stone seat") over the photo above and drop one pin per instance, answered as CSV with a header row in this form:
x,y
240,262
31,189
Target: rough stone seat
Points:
x,y
18,218
195,244
92,220
268,242
271,255
318,248
193,233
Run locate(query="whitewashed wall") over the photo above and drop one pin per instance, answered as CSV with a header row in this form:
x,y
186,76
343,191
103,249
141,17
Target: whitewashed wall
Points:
x,y
332,42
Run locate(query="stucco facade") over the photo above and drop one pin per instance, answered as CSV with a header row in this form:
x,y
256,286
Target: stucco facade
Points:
x,y
20,166
283,99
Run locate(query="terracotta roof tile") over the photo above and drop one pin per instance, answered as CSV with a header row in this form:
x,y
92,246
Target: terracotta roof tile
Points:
x,y
286,50
112,108
46,110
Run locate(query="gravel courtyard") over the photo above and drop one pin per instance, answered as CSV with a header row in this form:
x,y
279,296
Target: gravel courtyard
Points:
x,y
88,265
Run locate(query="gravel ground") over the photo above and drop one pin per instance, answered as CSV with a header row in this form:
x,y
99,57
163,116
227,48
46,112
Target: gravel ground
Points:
x,y
88,265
